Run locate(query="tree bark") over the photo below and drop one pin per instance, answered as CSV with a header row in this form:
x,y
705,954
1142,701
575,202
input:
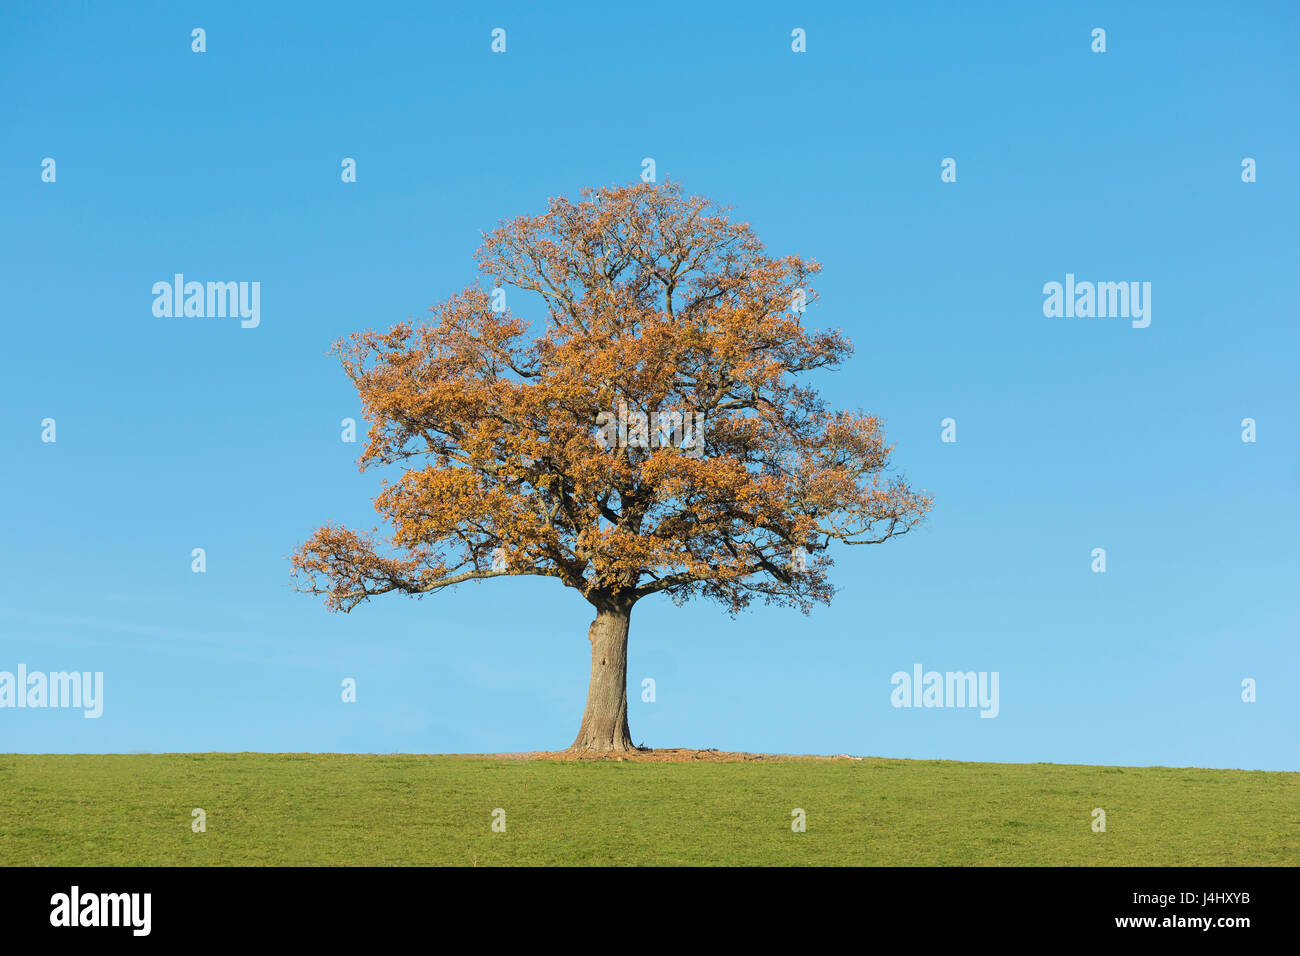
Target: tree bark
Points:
x,y
604,723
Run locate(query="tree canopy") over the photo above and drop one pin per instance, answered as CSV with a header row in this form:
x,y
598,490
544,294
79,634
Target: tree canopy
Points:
x,y
648,306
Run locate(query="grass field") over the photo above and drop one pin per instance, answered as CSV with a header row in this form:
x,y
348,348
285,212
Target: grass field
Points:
x,y
340,809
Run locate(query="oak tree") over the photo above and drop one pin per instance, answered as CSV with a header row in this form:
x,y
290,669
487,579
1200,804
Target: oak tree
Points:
x,y
647,432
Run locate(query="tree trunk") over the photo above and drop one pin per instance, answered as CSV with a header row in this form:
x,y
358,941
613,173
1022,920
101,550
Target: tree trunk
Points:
x,y
604,723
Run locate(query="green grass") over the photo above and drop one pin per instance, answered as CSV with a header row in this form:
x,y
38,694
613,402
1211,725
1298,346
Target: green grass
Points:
x,y
339,809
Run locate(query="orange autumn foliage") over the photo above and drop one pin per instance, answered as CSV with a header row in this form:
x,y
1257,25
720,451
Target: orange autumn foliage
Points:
x,y
643,296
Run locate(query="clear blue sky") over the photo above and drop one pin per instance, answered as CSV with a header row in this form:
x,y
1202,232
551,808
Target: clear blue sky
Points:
x,y
1072,434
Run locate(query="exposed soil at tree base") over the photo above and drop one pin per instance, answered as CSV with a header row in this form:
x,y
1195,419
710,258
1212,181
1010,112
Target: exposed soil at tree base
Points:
x,y
665,755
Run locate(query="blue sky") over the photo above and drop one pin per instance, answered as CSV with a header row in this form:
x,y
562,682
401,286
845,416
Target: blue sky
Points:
x,y
1072,434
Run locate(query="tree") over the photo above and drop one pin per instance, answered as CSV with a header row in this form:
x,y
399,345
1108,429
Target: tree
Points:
x,y
650,438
